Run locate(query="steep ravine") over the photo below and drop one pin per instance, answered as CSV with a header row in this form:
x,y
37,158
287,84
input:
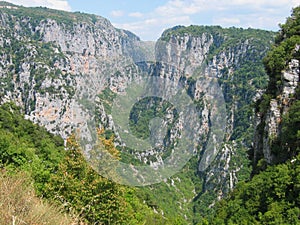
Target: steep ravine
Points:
x,y
228,62
53,64
192,56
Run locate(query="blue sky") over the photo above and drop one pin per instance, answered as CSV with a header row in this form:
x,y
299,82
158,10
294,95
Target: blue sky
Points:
x,y
148,18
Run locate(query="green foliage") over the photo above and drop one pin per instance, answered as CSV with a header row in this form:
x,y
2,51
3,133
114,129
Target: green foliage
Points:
x,y
23,144
277,60
77,186
290,138
286,145
262,105
283,51
239,89
64,177
271,197
146,109
224,38
291,27
28,147
37,14
106,98
176,196
191,30
95,199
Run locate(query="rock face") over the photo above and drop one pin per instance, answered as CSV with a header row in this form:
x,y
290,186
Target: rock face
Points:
x,y
52,63
272,120
211,53
193,59
47,57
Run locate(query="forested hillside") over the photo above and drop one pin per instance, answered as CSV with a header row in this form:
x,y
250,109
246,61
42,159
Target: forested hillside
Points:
x,y
32,156
272,195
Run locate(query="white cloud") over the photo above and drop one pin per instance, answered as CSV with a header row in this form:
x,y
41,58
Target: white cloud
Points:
x,y
259,3
136,14
227,21
189,7
264,14
117,13
152,27
54,4
175,7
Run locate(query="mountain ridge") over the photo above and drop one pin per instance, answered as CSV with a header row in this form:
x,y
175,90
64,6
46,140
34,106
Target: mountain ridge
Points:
x,y
50,67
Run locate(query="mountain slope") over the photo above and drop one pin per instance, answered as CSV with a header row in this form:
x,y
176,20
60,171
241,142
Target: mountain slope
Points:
x,y
47,56
272,195
192,56
61,68
277,110
32,157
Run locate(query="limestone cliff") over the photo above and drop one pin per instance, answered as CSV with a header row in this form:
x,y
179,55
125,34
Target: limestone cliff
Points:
x,y
193,56
48,56
277,112
270,122
235,61
54,63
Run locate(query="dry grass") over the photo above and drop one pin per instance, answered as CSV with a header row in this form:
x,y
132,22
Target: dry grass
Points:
x,y
19,204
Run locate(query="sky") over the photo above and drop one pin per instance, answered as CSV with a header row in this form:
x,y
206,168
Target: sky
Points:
x,y
149,18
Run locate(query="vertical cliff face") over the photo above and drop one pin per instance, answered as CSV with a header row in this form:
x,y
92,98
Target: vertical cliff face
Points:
x,y
277,135
277,109
276,145
48,57
193,56
233,57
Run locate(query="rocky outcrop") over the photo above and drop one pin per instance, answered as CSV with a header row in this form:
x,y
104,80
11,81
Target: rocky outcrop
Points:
x,y
54,64
49,58
269,127
193,60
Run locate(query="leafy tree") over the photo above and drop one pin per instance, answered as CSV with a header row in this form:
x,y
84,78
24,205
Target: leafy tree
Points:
x,y
271,197
64,177
77,186
290,137
283,51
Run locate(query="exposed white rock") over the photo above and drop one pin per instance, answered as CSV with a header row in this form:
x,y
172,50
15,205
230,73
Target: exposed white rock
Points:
x,y
290,79
277,108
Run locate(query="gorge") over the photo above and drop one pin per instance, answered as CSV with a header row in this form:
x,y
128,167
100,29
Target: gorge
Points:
x,y
64,70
